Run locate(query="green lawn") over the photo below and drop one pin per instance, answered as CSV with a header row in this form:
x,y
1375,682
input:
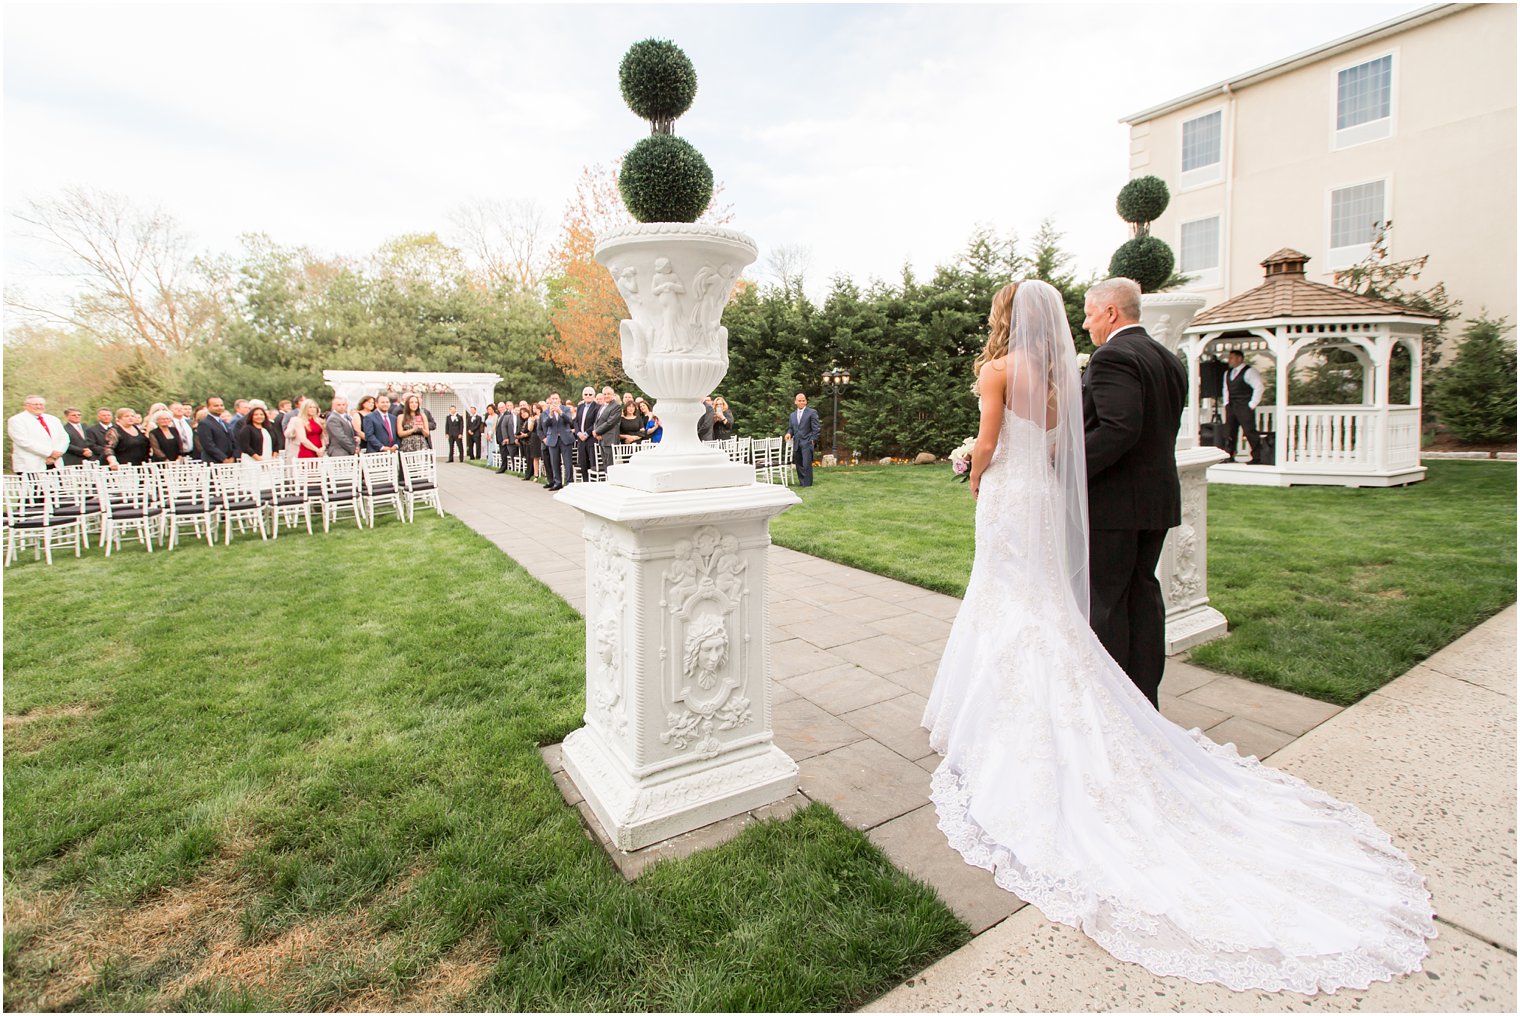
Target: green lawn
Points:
x,y
303,775
1330,592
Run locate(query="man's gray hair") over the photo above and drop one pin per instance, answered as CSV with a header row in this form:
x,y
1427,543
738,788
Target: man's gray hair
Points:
x,y
1120,293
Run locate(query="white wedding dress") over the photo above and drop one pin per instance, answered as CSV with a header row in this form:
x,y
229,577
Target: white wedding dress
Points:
x,y
1167,849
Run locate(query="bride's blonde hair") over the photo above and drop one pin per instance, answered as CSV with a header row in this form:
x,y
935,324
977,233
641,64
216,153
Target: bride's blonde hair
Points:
x,y
999,326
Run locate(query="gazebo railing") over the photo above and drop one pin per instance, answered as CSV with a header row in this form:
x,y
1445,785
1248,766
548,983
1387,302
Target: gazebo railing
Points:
x,y
1342,437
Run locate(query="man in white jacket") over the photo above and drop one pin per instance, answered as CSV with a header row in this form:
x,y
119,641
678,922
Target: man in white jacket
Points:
x,y
38,440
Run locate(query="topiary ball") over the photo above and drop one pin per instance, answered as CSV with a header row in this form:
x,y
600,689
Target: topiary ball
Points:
x,y
1143,199
658,80
665,179
1146,259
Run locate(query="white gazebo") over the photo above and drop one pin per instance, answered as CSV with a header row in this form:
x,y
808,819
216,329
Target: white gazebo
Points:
x,y
439,391
1375,444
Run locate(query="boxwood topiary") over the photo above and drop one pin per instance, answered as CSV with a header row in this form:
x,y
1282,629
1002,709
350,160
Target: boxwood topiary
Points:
x,y
1141,202
665,179
1145,259
658,82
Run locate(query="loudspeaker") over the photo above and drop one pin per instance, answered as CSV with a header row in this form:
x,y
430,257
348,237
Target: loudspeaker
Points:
x,y
1211,374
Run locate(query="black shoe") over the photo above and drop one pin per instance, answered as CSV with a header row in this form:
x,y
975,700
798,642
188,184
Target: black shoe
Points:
x,y
552,487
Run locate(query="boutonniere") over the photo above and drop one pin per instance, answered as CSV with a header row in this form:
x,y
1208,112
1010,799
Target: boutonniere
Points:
x,y
1082,359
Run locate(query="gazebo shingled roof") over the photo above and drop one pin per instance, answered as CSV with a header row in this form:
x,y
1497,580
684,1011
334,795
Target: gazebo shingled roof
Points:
x,y
1287,293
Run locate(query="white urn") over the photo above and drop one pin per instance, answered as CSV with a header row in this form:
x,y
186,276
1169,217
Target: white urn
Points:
x,y
1165,315
676,278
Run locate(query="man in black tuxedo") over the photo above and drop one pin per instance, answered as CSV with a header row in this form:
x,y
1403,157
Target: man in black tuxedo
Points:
x,y
453,429
79,451
508,426
1133,393
586,412
474,424
95,434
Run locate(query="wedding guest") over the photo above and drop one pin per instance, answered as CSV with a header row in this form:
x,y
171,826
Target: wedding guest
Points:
x,y
557,426
151,419
474,426
705,423
505,434
282,415
631,423
255,438
723,419
380,427
528,444
38,440
78,451
95,433
181,414
653,431
339,437
413,426
126,444
218,443
480,440
586,413
606,429
307,431
240,411
163,439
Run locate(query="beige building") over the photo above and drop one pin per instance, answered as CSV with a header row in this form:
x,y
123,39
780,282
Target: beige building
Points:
x,y
1411,121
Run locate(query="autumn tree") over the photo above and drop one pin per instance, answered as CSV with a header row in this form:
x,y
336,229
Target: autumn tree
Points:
x,y
584,304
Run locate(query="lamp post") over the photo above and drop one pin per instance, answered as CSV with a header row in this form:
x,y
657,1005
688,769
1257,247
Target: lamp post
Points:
x,y
833,381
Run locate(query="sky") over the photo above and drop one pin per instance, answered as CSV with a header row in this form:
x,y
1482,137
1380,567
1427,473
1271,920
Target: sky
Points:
x,y
871,136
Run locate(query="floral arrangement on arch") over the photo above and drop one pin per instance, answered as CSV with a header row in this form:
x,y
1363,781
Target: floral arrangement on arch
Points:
x,y
418,388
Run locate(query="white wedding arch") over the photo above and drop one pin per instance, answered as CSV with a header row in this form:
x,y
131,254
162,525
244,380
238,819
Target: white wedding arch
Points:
x,y
439,390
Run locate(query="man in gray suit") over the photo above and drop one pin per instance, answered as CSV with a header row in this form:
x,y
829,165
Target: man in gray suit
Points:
x,y
605,429
802,429
339,428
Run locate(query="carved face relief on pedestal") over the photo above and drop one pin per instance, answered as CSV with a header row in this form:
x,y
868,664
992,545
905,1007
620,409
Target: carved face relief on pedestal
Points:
x,y
704,598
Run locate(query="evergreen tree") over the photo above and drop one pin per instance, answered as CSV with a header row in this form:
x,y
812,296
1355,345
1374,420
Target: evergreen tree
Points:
x,y
1474,397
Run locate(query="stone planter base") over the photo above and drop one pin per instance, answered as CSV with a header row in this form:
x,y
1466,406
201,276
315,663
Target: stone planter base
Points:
x,y
1184,568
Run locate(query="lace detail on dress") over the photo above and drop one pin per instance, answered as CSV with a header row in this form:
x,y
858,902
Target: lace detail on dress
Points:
x,y
1167,849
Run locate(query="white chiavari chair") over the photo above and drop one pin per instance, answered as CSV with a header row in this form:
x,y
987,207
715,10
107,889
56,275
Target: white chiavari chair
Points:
x,y
186,489
28,502
340,486
239,491
128,499
380,487
291,496
419,481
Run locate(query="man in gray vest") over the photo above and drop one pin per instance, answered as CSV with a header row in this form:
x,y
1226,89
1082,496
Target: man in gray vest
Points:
x,y
1242,393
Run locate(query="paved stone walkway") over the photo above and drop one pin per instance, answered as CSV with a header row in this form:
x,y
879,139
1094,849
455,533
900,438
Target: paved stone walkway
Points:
x,y
853,657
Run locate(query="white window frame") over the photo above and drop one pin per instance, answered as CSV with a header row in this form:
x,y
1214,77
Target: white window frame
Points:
x,y
1344,257
1204,278
1203,175
1372,130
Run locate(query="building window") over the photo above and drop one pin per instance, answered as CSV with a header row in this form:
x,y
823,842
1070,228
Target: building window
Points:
x,y
1198,249
1201,148
1355,213
1364,102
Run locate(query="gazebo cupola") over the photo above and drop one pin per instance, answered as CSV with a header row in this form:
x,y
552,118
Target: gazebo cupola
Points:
x,y
1374,444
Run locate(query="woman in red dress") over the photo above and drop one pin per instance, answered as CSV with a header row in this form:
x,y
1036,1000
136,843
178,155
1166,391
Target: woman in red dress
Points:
x,y
310,433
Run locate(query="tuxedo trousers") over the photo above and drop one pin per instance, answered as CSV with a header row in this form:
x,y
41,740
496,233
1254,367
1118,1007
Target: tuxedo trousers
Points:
x,y
1240,416
802,459
1128,613
456,441
472,442
585,458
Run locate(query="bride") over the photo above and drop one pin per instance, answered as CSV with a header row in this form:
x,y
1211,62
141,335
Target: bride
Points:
x,y
1061,779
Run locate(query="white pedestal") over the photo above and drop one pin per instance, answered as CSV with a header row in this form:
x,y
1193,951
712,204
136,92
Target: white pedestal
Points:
x,y
1184,567
678,714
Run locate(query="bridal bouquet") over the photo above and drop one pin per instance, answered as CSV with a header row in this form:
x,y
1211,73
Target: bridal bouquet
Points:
x,y
960,460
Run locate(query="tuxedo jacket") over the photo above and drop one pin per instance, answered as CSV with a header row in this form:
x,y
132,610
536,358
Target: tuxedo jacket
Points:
x,y
1133,393
340,436
376,437
477,423
804,426
73,455
508,426
453,426
217,442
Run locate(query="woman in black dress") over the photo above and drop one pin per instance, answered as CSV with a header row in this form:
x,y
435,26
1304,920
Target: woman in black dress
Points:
x,y
126,444
164,444
631,425
530,443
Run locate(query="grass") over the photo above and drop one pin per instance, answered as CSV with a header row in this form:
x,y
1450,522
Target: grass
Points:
x,y
303,775
1330,592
